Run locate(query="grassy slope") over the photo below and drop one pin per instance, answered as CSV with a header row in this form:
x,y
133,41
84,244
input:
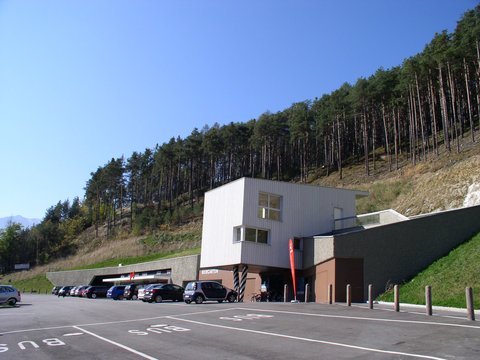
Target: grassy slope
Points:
x,y
448,278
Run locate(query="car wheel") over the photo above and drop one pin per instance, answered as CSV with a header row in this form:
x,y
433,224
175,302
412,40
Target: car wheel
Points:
x,y
231,298
134,297
199,299
158,299
94,296
12,301
188,301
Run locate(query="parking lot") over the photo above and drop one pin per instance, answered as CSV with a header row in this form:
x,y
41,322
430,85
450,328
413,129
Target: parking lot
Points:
x,y
49,327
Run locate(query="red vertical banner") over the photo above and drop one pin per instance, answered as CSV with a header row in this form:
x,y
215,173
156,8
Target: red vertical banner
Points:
x,y
292,266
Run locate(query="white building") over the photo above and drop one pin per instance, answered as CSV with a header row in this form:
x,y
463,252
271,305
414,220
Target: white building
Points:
x,y
248,222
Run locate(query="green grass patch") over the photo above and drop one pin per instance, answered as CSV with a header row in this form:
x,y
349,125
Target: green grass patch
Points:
x,y
448,277
138,259
39,284
382,195
165,238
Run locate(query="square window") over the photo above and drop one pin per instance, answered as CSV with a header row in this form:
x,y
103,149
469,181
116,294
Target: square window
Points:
x,y
250,235
269,206
262,236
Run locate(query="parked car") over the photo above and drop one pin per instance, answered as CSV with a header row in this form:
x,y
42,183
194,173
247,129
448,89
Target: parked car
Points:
x,y
72,291
55,290
83,290
116,292
158,293
200,291
94,292
64,291
131,291
78,290
141,292
9,295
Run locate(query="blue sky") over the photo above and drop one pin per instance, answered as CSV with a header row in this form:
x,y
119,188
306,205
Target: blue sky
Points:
x,y
84,81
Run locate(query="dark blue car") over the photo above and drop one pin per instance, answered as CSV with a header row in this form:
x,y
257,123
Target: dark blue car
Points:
x,y
116,292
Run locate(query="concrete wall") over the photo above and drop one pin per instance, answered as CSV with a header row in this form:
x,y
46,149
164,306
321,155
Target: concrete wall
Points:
x,y
182,269
317,250
396,252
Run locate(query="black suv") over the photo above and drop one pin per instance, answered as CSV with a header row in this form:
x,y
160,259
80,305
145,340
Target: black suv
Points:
x,y
94,292
131,291
200,291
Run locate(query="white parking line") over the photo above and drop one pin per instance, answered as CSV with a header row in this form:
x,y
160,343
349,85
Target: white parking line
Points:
x,y
15,314
136,352
430,323
112,322
309,340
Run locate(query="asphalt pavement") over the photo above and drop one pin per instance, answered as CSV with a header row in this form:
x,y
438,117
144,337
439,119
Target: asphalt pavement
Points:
x,y
48,327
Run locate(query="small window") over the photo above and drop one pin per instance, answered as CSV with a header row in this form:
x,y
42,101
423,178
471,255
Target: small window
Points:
x,y
269,206
250,235
262,236
297,244
238,234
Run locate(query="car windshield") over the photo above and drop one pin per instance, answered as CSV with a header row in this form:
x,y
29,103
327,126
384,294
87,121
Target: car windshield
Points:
x,y
190,286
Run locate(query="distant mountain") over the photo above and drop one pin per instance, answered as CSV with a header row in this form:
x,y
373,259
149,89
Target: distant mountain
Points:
x,y
19,220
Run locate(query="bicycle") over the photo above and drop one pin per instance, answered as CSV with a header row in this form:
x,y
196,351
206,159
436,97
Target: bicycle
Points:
x,y
256,297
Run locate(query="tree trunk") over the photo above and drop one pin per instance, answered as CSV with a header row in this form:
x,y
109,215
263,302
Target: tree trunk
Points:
x,y
339,149
387,148
469,105
453,101
443,107
365,143
420,113
395,135
433,112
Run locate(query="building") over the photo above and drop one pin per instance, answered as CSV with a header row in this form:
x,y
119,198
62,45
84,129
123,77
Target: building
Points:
x,y
247,225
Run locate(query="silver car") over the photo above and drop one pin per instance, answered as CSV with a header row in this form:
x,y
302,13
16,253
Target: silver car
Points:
x,y
9,295
141,292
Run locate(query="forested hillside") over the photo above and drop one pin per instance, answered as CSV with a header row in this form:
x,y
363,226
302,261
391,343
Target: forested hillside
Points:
x,y
420,110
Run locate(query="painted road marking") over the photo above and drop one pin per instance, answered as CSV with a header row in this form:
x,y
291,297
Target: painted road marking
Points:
x,y
136,352
112,322
28,344
245,317
310,340
73,334
430,323
158,329
15,314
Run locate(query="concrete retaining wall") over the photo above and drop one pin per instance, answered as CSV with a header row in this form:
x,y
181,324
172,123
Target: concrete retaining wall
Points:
x,y
182,269
396,252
